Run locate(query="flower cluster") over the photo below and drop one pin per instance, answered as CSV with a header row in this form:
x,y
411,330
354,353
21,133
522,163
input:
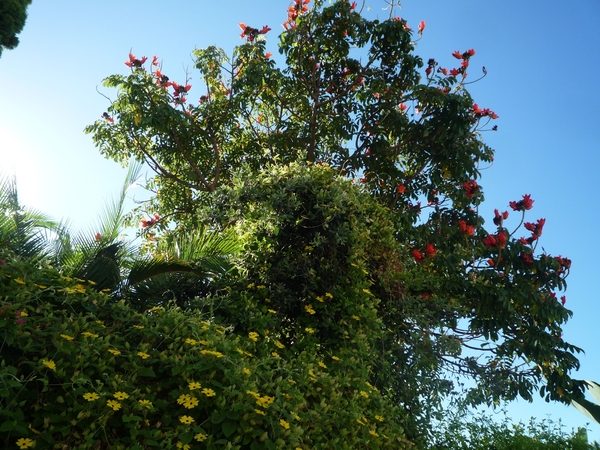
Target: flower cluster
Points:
x,y
150,222
250,33
479,113
496,240
536,231
419,256
135,63
522,205
469,230
471,188
500,218
298,8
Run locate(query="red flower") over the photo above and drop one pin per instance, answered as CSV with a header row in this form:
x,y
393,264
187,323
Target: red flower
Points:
x,y
264,30
522,205
268,55
150,222
155,60
471,188
418,255
400,189
134,62
108,118
353,5
457,54
421,27
470,52
499,218
496,240
527,259
430,250
489,241
180,89
469,230
535,228
97,237
563,300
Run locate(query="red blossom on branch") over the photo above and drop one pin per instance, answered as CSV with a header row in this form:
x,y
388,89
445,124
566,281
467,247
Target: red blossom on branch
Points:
x,y
535,228
298,8
430,250
106,117
149,222
134,62
469,230
418,255
522,205
421,27
471,188
499,218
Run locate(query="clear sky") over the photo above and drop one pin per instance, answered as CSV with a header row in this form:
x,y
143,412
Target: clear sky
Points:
x,y
542,59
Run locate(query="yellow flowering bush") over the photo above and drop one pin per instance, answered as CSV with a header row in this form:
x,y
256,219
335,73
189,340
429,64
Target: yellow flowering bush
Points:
x,y
78,373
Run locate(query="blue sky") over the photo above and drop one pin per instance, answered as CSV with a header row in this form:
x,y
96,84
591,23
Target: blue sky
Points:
x,y
542,61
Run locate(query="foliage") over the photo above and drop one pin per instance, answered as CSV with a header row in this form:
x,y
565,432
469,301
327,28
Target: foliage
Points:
x,y
463,430
82,371
13,14
351,94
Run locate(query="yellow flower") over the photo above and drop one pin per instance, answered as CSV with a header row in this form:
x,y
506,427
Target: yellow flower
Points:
x,y
188,401
321,299
204,342
88,334
91,396
114,405
121,395
66,337
247,371
143,355
253,335
183,446
294,415
24,314
379,418
261,287
25,443
253,394
308,248
361,422
41,286
368,292
191,341
251,285
49,364
309,309
373,433
145,403
208,392
364,394
327,294
291,381
265,401
210,352
275,354
355,317
139,327
19,281
309,330
186,419
279,344
335,358
258,411
200,437
322,364
284,424
114,352
194,385
272,311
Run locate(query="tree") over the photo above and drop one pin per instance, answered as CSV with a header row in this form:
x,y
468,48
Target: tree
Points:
x,y
352,95
13,14
366,276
